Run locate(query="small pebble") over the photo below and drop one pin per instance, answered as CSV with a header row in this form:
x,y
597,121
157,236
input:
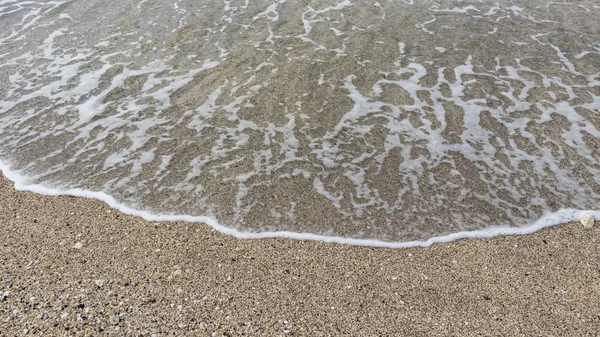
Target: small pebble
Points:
x,y
588,221
78,245
99,283
80,306
114,319
9,283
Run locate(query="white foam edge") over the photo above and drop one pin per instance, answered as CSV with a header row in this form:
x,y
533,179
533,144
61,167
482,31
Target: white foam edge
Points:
x,y
548,220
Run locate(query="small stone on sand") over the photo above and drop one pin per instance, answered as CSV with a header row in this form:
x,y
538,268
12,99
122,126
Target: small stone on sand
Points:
x,y
78,245
176,272
588,221
99,283
114,319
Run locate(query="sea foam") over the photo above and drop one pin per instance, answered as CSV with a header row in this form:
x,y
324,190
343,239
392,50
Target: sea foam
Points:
x,y
548,220
388,122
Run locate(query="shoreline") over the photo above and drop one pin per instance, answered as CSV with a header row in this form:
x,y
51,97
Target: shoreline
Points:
x,y
142,278
563,216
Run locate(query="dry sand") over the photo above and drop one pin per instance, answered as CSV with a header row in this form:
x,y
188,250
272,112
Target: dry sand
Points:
x,y
186,279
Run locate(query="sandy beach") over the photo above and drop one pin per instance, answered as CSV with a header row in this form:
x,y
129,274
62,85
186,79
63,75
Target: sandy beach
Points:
x,y
131,277
392,122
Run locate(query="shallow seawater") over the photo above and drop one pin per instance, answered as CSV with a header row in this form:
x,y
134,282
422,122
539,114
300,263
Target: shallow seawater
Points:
x,y
388,120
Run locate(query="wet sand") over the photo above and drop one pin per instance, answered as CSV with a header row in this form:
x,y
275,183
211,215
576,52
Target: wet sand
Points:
x,y
133,277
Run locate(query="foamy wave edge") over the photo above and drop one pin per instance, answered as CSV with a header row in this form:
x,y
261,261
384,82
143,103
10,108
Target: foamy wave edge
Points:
x,y
548,220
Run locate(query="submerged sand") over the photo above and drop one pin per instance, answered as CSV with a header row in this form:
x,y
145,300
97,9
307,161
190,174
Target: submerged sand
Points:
x,y
389,120
133,277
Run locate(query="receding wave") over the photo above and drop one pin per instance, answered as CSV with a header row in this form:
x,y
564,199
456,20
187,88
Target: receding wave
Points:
x,y
390,120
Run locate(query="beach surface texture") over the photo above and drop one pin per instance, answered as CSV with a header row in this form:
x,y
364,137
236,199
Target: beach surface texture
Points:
x,y
73,266
299,168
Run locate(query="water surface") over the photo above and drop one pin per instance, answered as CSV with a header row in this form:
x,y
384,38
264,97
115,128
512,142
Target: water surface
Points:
x,y
390,120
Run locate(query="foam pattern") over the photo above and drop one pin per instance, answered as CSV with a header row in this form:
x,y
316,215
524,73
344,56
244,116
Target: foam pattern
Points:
x,y
366,121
